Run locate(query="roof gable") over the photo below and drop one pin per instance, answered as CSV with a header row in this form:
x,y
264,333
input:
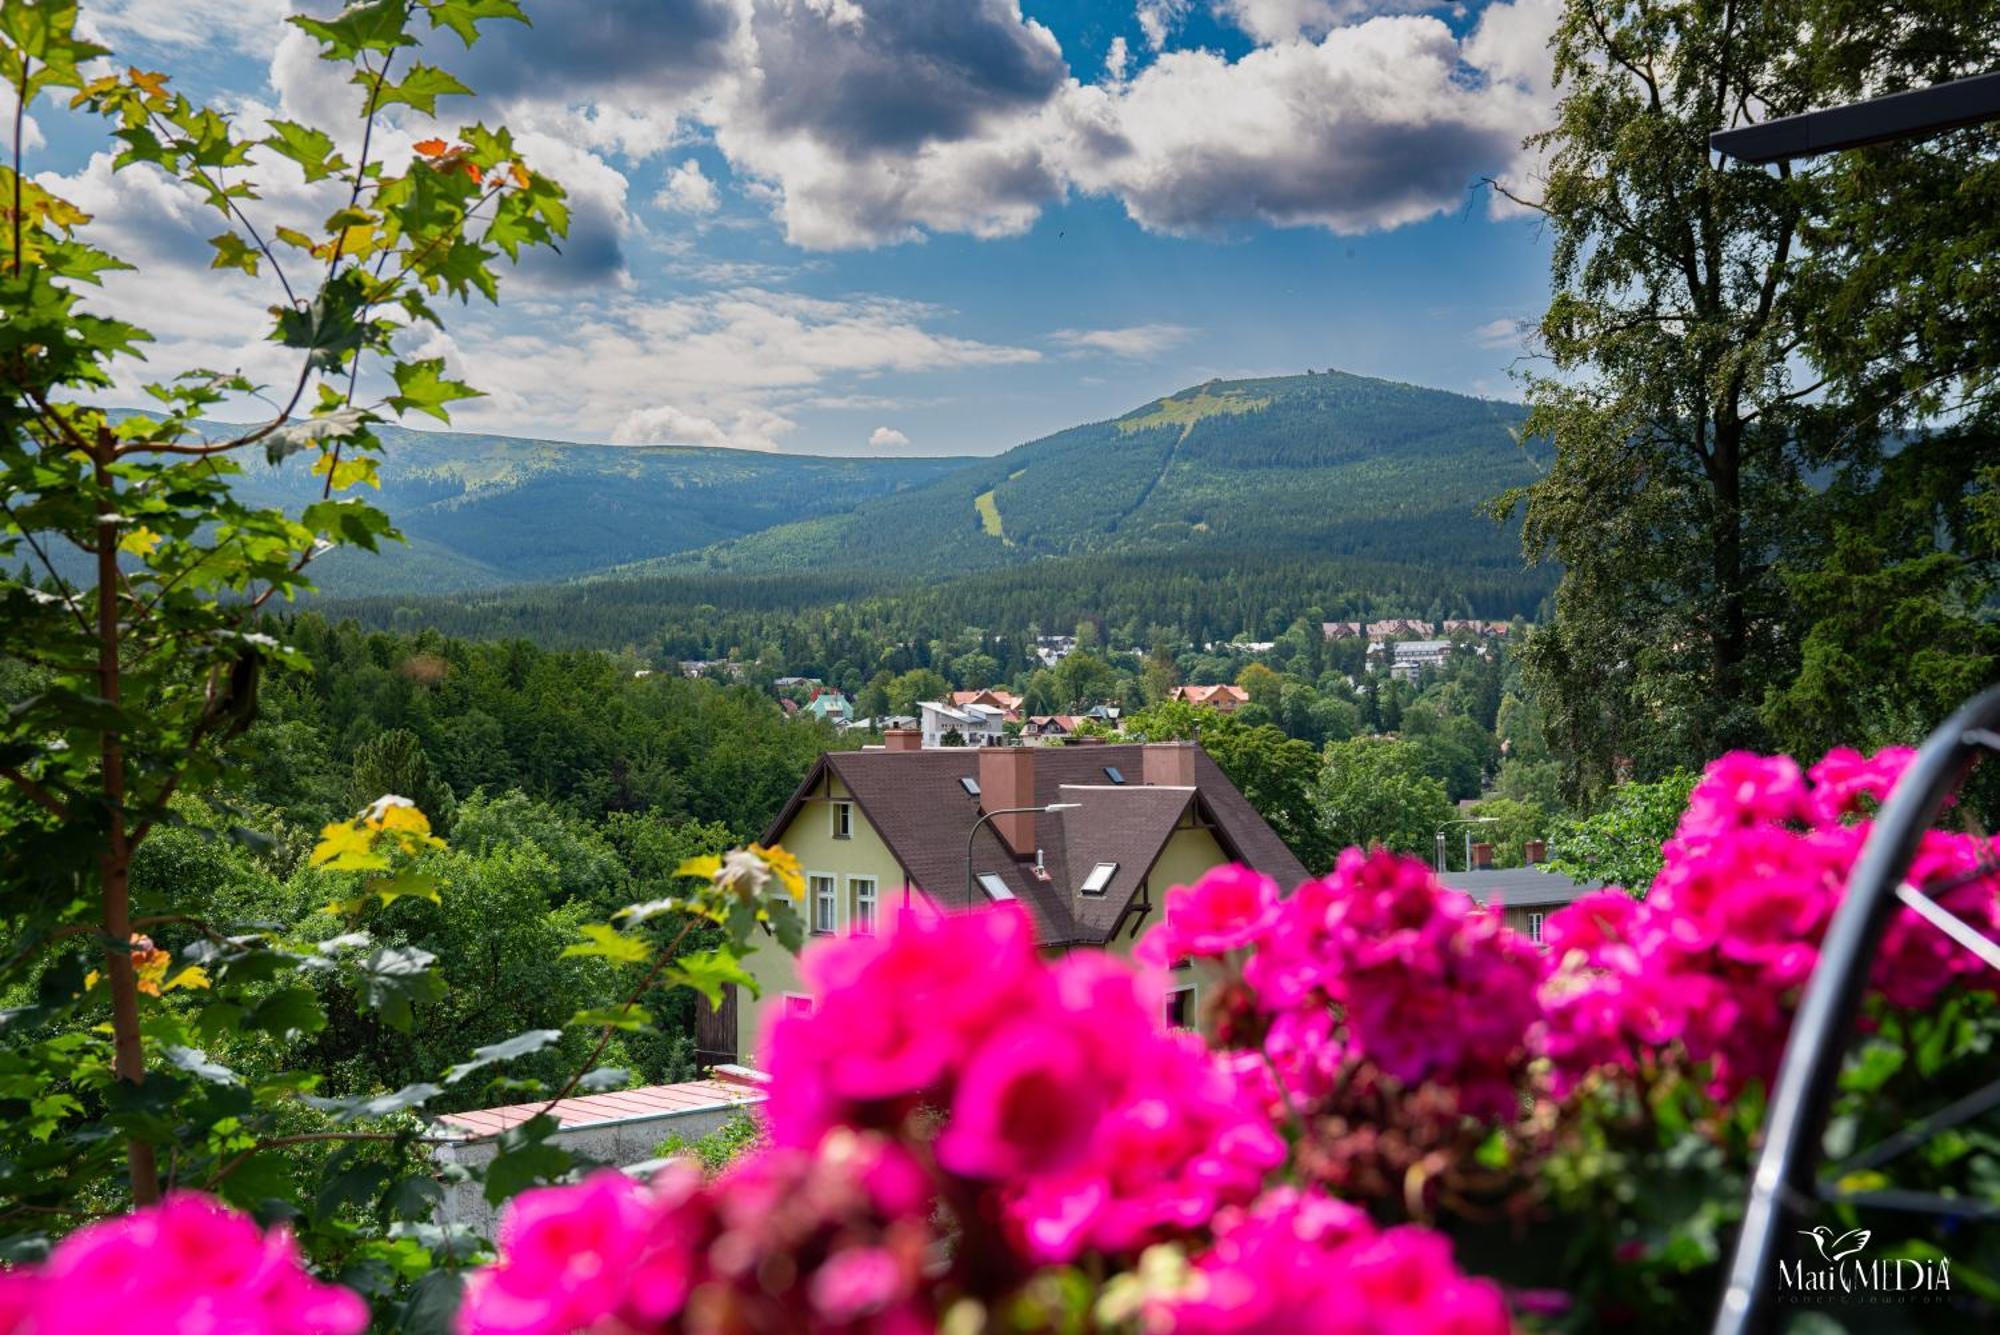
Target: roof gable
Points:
x,y
917,804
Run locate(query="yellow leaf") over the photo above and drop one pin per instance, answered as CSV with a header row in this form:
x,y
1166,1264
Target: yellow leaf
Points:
x,y
192,976
90,979
705,868
390,812
785,867
348,241
520,175
345,846
139,542
151,81
347,472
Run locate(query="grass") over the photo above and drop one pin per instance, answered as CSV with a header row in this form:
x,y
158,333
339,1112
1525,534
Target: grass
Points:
x,y
1184,413
989,516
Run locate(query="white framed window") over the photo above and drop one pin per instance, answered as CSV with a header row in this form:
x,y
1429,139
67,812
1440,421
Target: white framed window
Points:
x,y
1180,1007
825,905
1099,878
798,1003
995,887
843,820
861,890
1535,928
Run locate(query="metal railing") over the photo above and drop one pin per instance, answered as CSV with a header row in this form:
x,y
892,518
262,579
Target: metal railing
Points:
x,y
1789,1181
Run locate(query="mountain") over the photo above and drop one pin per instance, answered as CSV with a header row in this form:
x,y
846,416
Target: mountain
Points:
x,y
484,511
1327,463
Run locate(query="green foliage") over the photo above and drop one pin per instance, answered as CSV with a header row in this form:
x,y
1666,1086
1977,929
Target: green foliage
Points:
x,y
1770,394
394,762
197,991
1273,771
1374,790
1620,843
721,1147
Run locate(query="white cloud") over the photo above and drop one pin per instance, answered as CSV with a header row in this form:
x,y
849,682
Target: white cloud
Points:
x,y
1271,21
687,190
1139,340
1375,126
887,438
1117,59
1159,18
1506,332
251,26
729,367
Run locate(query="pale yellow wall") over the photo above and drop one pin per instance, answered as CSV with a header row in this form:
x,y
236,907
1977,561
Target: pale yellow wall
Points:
x,y
810,839
1190,851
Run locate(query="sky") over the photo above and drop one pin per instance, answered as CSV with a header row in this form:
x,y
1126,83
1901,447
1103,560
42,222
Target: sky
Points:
x,y
901,226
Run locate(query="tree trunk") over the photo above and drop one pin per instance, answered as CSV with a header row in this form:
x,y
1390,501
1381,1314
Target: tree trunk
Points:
x,y
115,867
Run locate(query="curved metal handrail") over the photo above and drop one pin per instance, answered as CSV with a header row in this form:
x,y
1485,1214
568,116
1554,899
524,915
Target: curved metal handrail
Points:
x,y
1785,1180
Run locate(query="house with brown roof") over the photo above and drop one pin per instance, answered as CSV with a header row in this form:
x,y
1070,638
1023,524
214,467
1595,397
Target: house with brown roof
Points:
x,y
1224,699
1051,727
993,697
906,829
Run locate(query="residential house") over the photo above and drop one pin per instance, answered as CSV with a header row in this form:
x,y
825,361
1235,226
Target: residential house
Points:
x,y
1050,727
1398,628
1483,629
1340,630
830,705
992,696
972,725
1526,895
1053,649
1224,699
879,832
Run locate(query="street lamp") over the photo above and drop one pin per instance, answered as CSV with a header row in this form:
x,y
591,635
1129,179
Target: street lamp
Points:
x,y
1003,811
1469,820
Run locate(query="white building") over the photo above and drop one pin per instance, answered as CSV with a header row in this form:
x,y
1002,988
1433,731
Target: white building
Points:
x,y
975,724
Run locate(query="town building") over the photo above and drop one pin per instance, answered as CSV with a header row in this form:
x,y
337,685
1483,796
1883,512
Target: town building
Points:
x,y
1224,699
1526,895
830,705
880,832
945,725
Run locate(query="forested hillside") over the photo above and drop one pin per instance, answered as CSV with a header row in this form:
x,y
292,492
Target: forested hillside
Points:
x,y
1183,597
482,511
1331,464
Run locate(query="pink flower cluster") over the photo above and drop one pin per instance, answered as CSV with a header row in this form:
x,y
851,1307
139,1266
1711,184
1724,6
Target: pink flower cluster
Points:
x,y
788,1240
1298,1262
1716,955
1377,963
1068,1102
188,1266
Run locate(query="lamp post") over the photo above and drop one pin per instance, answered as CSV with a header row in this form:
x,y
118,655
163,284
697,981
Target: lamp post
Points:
x,y
1003,811
1469,820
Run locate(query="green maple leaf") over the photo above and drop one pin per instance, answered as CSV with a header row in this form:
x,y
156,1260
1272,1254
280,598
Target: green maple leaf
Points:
x,y
420,88
421,387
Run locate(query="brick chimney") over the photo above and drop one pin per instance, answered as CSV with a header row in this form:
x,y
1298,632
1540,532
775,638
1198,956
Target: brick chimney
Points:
x,y
903,739
1007,779
1535,851
1482,857
1167,765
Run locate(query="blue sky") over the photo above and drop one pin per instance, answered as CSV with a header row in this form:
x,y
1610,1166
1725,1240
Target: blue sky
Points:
x,y
914,226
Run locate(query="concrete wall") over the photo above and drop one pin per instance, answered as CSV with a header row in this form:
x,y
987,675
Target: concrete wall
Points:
x,y
619,1144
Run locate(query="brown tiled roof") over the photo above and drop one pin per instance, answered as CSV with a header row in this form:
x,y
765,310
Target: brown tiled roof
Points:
x,y
618,1106
916,802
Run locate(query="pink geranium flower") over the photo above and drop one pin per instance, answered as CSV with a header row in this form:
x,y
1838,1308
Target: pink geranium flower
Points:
x,y
1227,909
188,1266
